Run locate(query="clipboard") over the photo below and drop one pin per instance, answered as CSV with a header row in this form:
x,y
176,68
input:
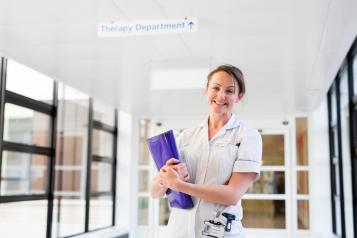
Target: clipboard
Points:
x,y
162,148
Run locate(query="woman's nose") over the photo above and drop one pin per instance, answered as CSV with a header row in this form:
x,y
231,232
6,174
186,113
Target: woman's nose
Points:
x,y
221,94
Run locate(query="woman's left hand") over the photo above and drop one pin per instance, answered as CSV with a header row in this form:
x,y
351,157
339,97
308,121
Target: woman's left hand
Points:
x,y
169,177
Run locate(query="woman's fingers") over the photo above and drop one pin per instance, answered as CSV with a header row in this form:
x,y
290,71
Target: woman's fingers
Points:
x,y
172,161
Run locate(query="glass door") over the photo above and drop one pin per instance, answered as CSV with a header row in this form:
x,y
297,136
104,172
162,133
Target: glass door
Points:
x,y
266,205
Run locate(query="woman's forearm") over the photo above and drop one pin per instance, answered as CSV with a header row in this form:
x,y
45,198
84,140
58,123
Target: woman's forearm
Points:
x,y
228,194
215,193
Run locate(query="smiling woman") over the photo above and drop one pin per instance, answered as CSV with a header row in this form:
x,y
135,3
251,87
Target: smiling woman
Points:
x,y
223,158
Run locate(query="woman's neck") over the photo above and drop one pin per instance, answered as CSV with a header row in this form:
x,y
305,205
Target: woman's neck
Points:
x,y
216,122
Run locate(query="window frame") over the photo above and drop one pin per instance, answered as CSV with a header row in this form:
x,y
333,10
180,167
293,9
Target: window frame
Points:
x,y
38,106
335,127
50,151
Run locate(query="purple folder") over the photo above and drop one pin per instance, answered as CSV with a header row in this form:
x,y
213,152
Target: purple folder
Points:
x,y
162,148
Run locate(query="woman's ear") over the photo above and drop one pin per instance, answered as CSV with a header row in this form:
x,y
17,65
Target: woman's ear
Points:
x,y
239,97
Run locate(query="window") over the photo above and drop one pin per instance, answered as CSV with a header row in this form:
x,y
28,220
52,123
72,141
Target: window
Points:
x,y
38,119
336,161
28,82
26,152
342,134
302,174
23,173
143,174
346,150
265,203
71,158
26,126
23,219
101,167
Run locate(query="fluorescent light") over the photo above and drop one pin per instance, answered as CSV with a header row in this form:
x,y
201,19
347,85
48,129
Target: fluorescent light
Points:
x,y
184,78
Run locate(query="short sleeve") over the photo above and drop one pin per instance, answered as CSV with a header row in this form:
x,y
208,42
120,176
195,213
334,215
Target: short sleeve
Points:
x,y
249,152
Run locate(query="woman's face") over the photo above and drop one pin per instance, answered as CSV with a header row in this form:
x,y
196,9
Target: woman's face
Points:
x,y
222,93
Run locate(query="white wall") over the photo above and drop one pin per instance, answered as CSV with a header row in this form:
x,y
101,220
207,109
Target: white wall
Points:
x,y
320,203
126,172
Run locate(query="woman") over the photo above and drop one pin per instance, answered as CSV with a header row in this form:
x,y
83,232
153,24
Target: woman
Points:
x,y
223,158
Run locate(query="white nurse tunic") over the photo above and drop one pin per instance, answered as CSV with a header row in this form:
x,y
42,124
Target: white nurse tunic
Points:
x,y
235,148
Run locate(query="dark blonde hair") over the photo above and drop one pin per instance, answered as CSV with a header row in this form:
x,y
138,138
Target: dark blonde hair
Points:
x,y
233,72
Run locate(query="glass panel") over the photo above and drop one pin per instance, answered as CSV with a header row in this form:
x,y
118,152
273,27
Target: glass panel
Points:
x,y
301,141
143,180
355,74
263,213
144,150
71,156
100,212
273,149
68,180
346,152
333,106
270,182
303,214
164,212
28,82
102,143
23,219
71,218
338,215
302,182
23,173
337,177
103,113
26,126
143,211
101,177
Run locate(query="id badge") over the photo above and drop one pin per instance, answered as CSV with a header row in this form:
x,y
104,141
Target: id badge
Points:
x,y
213,229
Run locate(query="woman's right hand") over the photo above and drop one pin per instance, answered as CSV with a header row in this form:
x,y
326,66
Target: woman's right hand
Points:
x,y
179,167
157,187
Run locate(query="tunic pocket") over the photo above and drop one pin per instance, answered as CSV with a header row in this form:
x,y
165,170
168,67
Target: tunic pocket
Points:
x,y
227,156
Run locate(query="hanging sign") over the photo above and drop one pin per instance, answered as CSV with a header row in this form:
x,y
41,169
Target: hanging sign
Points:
x,y
121,28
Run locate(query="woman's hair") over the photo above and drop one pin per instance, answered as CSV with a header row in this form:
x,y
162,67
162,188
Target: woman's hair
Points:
x,y
233,72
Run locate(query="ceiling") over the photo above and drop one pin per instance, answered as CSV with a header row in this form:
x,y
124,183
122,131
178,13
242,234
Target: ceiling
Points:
x,y
288,50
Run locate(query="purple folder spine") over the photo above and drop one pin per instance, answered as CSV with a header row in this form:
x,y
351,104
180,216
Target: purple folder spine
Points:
x,y
163,147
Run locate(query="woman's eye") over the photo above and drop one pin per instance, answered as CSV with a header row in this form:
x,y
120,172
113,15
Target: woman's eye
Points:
x,y
229,91
215,88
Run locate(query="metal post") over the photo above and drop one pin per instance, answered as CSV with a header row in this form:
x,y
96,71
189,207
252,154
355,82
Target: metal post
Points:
x,y
114,173
89,162
52,162
3,64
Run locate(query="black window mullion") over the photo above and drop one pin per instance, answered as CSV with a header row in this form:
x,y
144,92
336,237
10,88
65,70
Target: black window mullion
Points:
x,y
20,100
102,126
101,194
114,173
31,149
52,162
88,169
340,156
332,155
353,132
104,159
22,198
3,64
